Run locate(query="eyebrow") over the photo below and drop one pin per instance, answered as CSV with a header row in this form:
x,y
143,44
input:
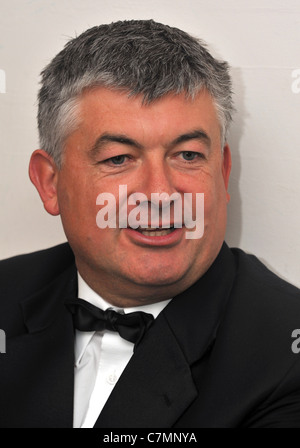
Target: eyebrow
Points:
x,y
106,138
113,138
197,134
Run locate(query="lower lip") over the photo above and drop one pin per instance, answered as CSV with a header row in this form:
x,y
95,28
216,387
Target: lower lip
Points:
x,y
158,241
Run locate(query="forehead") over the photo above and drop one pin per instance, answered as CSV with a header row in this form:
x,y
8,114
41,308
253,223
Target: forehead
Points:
x,y
105,110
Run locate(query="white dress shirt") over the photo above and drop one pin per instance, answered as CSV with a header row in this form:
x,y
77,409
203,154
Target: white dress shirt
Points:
x,y
100,358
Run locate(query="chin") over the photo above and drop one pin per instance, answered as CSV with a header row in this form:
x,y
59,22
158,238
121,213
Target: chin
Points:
x,y
158,276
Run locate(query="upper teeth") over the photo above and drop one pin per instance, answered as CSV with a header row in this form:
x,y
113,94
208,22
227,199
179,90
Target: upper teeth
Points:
x,y
156,232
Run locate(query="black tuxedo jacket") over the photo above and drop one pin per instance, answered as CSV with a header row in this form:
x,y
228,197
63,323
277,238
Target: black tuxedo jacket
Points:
x,y
219,355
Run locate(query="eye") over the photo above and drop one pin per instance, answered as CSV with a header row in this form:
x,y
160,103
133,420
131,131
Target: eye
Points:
x,y
189,156
117,160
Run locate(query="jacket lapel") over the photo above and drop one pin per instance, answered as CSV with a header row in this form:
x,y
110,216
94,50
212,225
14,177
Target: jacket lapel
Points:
x,y
157,385
45,358
195,314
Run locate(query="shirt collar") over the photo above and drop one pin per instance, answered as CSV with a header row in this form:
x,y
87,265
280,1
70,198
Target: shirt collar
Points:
x,y
85,292
88,294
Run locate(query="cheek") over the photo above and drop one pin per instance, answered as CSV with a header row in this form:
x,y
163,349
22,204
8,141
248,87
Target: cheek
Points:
x,y
215,200
77,204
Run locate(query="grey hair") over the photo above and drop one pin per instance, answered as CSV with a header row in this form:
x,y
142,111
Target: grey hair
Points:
x,y
138,56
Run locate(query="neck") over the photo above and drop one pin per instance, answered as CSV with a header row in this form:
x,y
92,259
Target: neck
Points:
x,y
124,294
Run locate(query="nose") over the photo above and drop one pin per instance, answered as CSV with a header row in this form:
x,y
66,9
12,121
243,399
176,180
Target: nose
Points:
x,y
159,186
157,177
162,199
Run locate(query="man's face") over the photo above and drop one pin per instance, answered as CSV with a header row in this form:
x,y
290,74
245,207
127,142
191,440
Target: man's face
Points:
x,y
172,145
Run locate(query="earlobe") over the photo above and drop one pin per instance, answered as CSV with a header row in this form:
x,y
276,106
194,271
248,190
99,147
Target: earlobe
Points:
x,y
43,173
226,168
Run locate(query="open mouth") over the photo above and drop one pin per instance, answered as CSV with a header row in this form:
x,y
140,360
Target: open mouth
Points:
x,y
155,231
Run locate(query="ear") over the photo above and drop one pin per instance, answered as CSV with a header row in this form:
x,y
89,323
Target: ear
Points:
x,y
43,173
226,168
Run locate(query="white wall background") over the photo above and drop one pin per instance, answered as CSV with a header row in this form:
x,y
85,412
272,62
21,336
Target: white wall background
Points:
x,y
261,41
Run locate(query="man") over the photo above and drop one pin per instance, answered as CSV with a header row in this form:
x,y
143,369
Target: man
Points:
x,y
141,108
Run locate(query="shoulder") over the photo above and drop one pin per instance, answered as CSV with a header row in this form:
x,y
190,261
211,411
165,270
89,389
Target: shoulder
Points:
x,y
257,336
262,312
258,281
261,302
37,267
23,275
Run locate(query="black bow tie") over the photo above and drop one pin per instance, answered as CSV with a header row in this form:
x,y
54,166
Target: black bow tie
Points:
x,y
87,317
